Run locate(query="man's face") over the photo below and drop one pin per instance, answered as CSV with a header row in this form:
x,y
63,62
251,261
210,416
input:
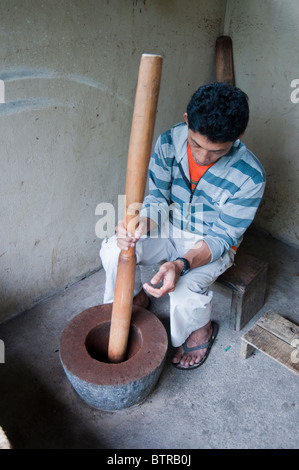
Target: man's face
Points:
x,y
205,152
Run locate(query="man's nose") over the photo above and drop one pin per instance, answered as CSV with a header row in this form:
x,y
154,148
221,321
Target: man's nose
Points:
x,y
203,155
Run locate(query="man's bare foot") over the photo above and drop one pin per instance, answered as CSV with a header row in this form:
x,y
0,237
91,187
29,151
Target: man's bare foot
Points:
x,y
141,299
198,337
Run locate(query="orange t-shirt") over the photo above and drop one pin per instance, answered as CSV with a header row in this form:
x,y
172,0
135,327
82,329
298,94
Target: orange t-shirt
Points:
x,y
196,171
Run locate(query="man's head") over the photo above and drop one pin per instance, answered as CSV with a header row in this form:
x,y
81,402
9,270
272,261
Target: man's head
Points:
x,y
217,115
219,112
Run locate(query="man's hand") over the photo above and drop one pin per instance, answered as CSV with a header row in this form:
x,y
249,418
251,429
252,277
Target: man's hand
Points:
x,y
169,273
126,239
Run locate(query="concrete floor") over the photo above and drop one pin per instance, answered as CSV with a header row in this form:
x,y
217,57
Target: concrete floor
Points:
x,y
228,403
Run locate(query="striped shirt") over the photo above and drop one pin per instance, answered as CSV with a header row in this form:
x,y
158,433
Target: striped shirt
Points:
x,y
222,205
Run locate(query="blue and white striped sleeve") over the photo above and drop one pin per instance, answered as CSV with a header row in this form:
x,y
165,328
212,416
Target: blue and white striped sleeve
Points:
x,y
156,204
236,213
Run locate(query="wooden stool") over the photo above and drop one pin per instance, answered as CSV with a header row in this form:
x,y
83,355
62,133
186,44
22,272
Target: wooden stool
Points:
x,y
276,337
247,279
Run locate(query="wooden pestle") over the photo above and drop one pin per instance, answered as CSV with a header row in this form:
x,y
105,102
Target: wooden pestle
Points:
x,y
140,146
224,61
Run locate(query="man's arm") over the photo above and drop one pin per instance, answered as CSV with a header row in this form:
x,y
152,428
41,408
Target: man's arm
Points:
x,y
197,256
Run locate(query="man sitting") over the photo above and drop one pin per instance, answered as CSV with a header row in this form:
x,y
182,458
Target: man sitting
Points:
x,y
204,190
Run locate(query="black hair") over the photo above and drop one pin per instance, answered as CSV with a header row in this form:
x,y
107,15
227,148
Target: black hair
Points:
x,y
219,112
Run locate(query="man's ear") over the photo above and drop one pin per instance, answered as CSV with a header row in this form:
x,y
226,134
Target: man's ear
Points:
x,y
241,135
186,118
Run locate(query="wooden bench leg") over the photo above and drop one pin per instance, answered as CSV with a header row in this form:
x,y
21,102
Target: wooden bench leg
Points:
x,y
246,349
247,301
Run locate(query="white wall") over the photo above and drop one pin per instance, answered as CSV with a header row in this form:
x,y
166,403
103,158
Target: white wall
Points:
x,y
265,36
70,71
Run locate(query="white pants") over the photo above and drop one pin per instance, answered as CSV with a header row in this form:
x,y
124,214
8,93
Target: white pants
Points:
x,y
191,301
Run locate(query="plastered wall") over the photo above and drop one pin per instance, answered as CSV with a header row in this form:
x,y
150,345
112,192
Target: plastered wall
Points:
x,y
70,71
265,36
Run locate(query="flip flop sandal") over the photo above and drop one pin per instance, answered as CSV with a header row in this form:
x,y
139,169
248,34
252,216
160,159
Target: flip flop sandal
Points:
x,y
207,346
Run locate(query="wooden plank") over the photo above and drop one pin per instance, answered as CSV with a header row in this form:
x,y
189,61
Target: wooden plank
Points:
x,y
274,347
280,327
246,349
224,61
